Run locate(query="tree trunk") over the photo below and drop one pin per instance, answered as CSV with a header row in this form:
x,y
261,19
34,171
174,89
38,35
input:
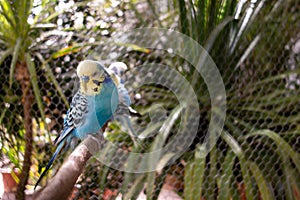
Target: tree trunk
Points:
x,y
22,75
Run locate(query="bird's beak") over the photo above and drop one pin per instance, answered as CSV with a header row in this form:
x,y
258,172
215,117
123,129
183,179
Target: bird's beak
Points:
x,y
85,79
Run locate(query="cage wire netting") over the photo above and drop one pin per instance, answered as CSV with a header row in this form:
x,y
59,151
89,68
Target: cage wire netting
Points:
x,y
255,46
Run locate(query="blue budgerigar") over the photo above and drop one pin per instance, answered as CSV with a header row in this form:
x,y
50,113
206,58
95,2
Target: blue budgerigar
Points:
x,y
124,111
91,107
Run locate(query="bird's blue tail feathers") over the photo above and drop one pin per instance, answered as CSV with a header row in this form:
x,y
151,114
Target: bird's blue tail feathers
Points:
x,y
57,151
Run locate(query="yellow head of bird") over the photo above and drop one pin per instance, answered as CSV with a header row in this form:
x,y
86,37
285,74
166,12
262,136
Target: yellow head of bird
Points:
x,y
91,75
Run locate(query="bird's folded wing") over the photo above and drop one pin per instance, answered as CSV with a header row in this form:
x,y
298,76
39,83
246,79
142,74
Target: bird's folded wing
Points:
x,y
76,116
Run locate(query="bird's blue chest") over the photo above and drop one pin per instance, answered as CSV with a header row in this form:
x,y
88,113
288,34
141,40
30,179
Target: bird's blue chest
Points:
x,y
101,108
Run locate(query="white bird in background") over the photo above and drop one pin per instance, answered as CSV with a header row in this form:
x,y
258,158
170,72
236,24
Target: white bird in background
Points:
x,y
124,111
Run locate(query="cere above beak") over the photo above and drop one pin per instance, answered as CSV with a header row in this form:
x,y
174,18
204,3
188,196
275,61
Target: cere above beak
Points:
x,y
85,78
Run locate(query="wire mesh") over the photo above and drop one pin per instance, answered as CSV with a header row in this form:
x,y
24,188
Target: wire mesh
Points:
x,y
255,157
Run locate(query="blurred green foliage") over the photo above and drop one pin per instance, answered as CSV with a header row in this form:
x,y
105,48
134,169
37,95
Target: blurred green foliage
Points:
x,y
251,42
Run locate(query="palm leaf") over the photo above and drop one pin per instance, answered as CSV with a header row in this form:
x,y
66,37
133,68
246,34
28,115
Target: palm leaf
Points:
x,y
158,143
7,13
5,54
235,147
282,145
136,188
52,78
194,175
36,90
15,58
227,175
264,190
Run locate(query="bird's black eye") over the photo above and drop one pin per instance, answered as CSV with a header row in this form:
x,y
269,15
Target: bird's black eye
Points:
x,y
98,83
95,89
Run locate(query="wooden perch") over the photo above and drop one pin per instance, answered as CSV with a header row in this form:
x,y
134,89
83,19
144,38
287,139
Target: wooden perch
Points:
x,y
61,185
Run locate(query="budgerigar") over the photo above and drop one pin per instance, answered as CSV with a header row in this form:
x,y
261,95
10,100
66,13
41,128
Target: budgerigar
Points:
x,y
91,107
124,110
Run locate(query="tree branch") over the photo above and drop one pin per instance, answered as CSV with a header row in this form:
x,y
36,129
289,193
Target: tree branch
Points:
x,y
61,185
